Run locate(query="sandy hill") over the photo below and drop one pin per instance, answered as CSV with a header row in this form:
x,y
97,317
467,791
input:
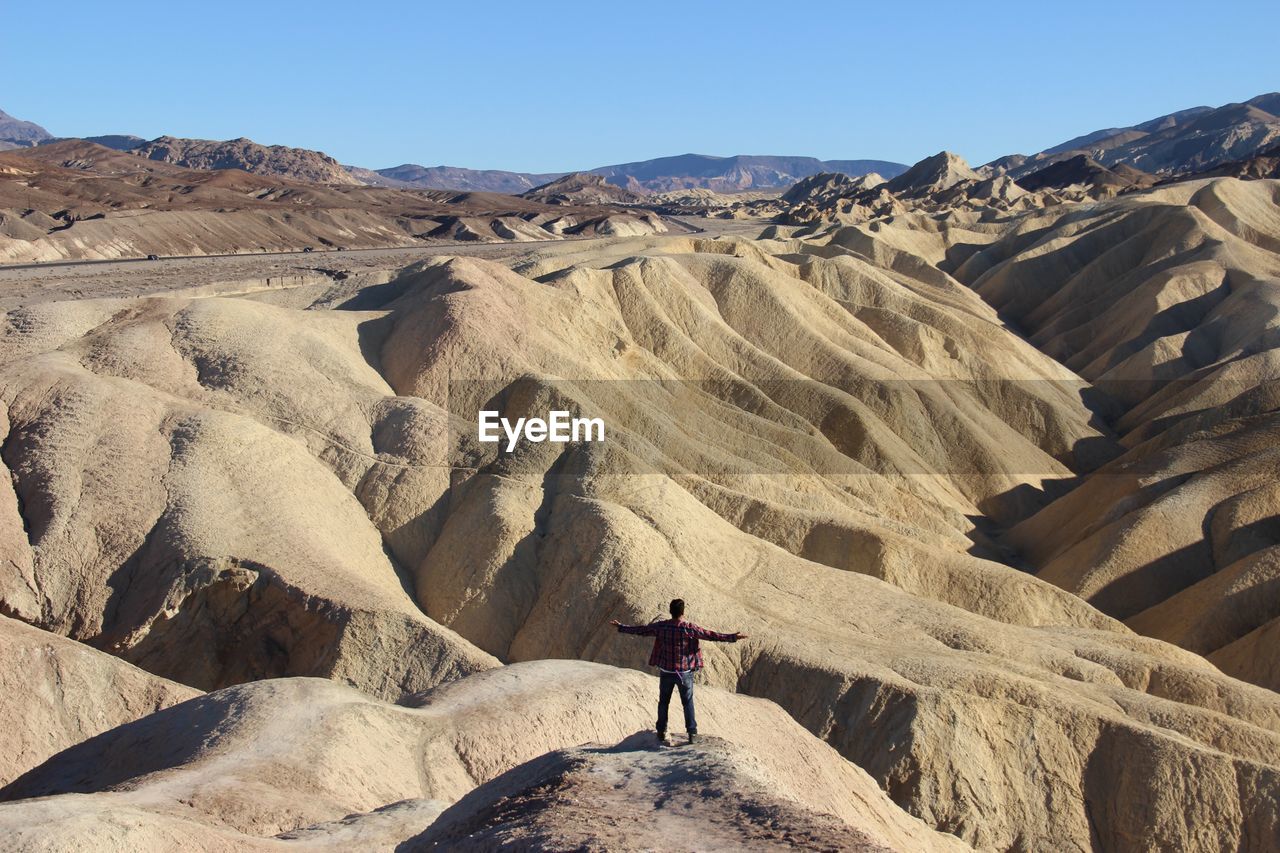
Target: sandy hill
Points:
x,y
1173,322
939,172
236,769
246,155
68,693
824,187
986,472
941,185
581,188
621,798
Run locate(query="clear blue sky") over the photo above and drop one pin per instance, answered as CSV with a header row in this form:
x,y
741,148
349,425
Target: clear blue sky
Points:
x,y
550,86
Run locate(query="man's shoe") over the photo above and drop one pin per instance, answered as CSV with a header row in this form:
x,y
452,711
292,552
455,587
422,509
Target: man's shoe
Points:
x,y
661,738
693,736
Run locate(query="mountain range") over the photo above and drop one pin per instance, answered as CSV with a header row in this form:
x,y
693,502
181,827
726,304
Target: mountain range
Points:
x,y
685,171
1189,140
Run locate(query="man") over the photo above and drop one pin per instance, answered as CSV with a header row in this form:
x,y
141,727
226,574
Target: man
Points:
x,y
677,657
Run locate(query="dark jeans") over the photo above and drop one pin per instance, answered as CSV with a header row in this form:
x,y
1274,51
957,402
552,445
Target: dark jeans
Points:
x,y
668,682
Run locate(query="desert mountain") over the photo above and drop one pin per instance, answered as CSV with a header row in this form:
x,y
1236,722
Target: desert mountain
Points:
x,y
117,141
740,172
985,467
939,184
15,133
826,186
246,155
687,171
457,178
1187,141
665,174
581,188
1174,324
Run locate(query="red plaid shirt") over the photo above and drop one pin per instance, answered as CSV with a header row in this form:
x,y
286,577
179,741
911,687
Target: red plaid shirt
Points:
x,y
675,643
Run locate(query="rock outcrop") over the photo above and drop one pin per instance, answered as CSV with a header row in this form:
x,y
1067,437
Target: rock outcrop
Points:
x,y
581,188
298,164
942,171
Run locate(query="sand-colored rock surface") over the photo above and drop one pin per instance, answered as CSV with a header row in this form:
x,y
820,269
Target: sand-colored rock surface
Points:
x,y
985,468
172,534
1167,303
243,762
815,438
58,693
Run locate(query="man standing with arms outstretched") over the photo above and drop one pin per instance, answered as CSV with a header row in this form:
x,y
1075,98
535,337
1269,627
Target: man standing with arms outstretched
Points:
x,y
677,657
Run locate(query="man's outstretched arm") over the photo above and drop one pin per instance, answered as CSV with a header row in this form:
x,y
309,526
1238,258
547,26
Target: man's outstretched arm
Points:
x,y
642,630
718,637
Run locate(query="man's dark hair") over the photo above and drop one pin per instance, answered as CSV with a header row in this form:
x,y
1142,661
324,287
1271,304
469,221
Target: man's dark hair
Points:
x,y
677,608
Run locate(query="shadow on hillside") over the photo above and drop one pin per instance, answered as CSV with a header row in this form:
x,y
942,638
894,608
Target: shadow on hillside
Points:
x,y
159,741
1087,456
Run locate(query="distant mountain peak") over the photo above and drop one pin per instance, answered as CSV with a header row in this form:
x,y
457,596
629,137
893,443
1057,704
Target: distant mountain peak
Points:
x,y
21,133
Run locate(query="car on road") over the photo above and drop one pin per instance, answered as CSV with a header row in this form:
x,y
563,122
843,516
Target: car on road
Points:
x,y
153,257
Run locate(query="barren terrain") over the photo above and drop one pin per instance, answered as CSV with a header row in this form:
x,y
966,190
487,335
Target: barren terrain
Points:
x,y
986,471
